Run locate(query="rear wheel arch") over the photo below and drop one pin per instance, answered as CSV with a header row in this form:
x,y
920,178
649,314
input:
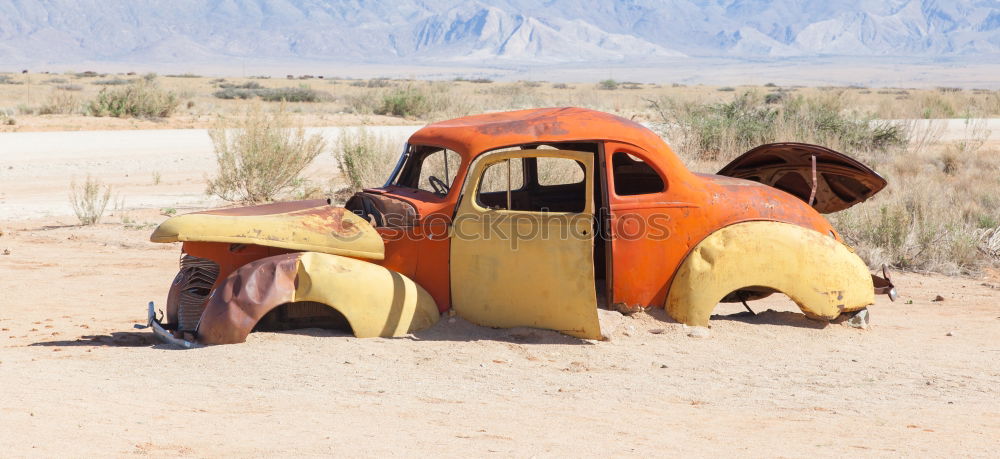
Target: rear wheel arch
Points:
x,y
821,275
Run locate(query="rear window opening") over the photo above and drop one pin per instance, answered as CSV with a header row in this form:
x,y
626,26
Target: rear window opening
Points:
x,y
633,176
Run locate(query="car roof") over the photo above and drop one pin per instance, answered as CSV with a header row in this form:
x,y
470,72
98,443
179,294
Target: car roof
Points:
x,y
472,135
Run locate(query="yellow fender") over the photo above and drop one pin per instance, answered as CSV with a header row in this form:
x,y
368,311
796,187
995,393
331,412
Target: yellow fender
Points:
x,y
820,274
375,301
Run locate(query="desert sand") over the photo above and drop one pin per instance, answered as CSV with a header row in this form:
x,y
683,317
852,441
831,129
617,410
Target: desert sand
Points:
x,y
76,379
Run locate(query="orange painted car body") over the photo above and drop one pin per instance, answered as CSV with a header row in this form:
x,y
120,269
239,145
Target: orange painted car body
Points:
x,y
638,260
641,268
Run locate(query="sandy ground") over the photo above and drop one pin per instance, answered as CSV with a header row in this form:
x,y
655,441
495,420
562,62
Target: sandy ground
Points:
x,y
76,379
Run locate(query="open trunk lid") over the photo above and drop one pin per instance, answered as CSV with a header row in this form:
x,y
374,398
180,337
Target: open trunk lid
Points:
x,y
841,181
313,226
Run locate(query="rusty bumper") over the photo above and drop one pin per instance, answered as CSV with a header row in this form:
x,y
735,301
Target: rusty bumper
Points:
x,y
884,286
162,333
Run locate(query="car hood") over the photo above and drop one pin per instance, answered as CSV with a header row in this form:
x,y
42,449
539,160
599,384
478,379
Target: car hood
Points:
x,y
841,181
313,226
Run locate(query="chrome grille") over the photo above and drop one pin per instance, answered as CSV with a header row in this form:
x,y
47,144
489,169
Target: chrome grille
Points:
x,y
196,277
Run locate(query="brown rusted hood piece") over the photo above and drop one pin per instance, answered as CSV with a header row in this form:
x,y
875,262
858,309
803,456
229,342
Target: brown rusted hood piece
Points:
x,y
841,181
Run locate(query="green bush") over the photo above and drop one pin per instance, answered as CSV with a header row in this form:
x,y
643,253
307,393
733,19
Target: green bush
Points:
x,y
247,85
774,97
407,101
234,93
723,130
113,82
292,95
139,99
608,85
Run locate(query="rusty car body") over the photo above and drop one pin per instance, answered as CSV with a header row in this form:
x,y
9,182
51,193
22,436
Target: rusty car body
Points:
x,y
528,218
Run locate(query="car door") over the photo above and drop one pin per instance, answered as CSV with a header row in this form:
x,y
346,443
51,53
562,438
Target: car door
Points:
x,y
516,263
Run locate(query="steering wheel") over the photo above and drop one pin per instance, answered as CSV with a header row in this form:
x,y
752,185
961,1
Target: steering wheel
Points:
x,y
439,186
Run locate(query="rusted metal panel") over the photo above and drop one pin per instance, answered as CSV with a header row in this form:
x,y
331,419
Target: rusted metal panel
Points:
x,y
543,282
374,300
828,180
305,225
821,275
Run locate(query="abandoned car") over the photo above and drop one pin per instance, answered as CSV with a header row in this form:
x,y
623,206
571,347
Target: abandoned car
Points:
x,y
531,218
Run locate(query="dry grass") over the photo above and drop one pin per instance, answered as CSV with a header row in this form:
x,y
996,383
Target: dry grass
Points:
x,y
260,155
365,158
941,211
89,200
417,101
936,214
722,130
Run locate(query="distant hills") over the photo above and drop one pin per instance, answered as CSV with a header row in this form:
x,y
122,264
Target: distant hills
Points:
x,y
522,32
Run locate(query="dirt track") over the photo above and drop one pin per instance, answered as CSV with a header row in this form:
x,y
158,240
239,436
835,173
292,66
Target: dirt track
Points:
x,y
76,378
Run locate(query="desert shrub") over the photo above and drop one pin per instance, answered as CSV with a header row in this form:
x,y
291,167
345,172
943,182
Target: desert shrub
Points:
x,y
726,89
936,106
773,97
89,200
407,101
365,158
56,81
246,85
113,82
723,130
234,93
7,117
140,99
7,79
69,87
292,95
607,85
372,83
260,155
631,85
926,220
560,86
184,75
60,103
87,74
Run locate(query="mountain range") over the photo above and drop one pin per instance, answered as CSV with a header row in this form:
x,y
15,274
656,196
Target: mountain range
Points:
x,y
522,32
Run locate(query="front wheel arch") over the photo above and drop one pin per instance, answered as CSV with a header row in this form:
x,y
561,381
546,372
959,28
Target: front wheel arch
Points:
x,y
820,274
375,301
